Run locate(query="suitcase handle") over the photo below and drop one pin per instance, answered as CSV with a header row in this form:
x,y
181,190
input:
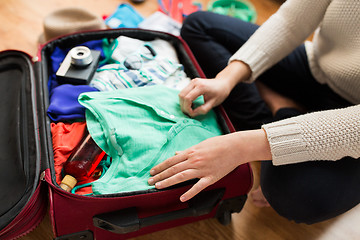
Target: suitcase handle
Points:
x,y
127,220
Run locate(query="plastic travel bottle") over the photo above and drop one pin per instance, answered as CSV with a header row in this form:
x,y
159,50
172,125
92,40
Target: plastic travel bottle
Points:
x,y
82,163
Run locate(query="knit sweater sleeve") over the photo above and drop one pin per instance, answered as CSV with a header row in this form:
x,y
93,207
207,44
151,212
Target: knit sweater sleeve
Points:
x,y
324,135
280,34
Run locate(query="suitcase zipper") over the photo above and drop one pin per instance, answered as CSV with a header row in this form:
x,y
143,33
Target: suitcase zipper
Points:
x,y
34,212
42,176
34,226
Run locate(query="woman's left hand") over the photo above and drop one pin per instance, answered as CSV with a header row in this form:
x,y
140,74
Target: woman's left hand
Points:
x,y
209,161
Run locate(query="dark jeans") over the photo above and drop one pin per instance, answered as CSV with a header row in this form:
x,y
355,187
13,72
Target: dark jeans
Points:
x,y
305,192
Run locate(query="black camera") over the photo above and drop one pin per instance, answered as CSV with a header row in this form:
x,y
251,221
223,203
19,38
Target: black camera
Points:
x,y
79,66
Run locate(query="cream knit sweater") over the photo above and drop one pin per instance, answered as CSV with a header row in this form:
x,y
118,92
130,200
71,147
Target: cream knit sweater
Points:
x,y
334,58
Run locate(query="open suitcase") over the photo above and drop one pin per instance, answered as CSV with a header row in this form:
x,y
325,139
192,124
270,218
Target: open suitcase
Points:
x,y
28,178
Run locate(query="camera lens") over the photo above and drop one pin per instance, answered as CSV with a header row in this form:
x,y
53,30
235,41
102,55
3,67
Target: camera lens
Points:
x,y
80,56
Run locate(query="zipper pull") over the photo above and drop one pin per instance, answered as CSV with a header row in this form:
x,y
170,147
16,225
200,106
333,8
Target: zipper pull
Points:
x,y
35,59
42,176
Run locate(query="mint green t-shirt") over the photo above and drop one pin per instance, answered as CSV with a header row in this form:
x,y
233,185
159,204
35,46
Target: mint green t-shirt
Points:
x,y
139,128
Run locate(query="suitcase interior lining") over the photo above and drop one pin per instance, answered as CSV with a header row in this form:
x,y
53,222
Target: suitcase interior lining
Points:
x,y
19,160
145,35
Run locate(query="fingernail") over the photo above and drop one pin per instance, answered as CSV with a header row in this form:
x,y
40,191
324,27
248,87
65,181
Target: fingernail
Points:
x,y
182,199
152,172
158,185
151,181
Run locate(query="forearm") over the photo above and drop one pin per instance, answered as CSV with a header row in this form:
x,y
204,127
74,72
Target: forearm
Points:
x,y
252,145
234,73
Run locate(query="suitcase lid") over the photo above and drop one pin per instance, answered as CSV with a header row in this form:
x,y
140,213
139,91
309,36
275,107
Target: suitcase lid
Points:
x,y
19,141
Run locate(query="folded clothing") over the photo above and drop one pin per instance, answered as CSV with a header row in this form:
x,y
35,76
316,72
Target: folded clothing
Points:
x,y
125,16
65,137
124,46
114,76
139,128
137,63
64,105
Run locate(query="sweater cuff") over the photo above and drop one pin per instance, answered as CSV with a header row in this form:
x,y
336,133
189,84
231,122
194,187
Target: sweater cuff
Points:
x,y
254,57
286,143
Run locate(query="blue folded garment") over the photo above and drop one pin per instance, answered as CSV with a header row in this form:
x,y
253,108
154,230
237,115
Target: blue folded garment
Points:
x,y
125,16
64,105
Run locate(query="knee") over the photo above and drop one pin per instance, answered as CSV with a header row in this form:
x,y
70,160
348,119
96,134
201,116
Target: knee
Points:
x,y
296,198
292,207
193,24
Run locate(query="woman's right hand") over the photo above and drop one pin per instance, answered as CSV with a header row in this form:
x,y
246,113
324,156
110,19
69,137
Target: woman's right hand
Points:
x,y
214,90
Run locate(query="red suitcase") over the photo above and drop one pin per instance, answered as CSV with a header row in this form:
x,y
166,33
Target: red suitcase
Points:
x,y
115,216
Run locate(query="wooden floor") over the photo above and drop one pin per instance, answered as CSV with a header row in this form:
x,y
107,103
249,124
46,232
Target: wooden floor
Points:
x,y
21,24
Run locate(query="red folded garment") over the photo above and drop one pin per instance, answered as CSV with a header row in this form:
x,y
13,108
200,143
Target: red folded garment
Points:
x,y
65,137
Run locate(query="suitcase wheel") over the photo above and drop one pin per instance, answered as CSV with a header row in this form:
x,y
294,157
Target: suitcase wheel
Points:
x,y
229,206
224,218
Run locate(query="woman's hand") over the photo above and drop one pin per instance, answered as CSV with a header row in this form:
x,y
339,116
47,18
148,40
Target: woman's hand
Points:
x,y
210,160
215,90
